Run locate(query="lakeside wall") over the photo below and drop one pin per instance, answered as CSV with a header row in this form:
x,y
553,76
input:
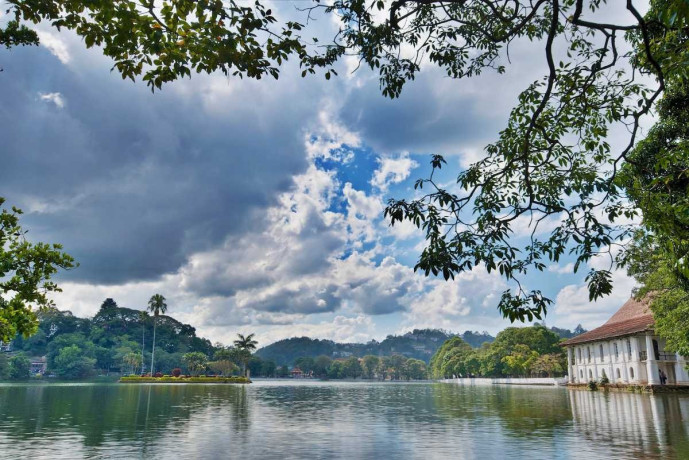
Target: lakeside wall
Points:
x,y
508,381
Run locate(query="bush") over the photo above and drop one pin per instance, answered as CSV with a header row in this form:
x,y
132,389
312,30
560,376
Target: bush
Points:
x,y
157,374
593,386
604,380
176,372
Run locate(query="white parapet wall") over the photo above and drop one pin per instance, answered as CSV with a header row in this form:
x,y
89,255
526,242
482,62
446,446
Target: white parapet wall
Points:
x,y
508,381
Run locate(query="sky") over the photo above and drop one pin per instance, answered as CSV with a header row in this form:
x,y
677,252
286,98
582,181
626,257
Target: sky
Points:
x,y
257,206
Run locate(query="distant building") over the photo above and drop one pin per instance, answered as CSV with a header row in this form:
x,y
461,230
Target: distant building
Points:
x,y
297,373
38,365
625,350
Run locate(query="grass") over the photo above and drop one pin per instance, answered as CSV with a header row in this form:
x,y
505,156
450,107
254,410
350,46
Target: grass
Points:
x,y
169,379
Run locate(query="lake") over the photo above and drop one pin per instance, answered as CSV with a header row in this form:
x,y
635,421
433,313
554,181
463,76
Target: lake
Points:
x,y
296,419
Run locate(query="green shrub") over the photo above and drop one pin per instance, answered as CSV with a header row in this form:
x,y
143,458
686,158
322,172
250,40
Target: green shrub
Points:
x,y
604,380
593,386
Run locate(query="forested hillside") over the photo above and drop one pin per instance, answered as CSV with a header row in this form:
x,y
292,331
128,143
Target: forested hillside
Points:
x,y
112,341
418,344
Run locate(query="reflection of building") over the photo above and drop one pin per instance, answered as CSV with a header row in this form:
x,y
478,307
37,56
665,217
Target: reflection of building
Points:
x,y
625,350
643,426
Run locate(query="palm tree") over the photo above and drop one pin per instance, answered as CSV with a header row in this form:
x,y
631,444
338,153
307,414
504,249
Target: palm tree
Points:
x,y
143,317
156,306
246,345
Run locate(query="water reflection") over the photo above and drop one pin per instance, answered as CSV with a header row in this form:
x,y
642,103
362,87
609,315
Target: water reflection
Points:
x,y
647,425
336,420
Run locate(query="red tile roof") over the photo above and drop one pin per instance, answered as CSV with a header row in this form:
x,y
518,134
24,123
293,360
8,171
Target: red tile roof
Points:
x,y
634,316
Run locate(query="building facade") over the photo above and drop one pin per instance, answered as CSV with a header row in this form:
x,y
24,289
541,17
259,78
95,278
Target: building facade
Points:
x,y
625,350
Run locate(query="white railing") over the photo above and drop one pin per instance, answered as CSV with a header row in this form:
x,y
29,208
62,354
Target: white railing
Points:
x,y
509,381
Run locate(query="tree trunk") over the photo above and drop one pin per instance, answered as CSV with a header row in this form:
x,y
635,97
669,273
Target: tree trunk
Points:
x,y
143,335
153,352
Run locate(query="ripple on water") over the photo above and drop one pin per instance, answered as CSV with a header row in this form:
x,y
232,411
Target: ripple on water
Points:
x,y
293,419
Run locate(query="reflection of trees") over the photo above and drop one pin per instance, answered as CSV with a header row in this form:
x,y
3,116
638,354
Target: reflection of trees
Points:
x,y
646,425
100,413
526,412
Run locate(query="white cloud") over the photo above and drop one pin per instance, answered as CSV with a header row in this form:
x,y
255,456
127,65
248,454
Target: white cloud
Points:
x,y
456,304
55,44
562,270
55,98
392,170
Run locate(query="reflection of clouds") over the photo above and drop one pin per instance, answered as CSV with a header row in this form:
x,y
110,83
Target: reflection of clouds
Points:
x,y
287,419
639,426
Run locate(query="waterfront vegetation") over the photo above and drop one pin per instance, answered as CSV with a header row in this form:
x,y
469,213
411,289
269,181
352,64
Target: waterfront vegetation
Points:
x,y
516,352
182,379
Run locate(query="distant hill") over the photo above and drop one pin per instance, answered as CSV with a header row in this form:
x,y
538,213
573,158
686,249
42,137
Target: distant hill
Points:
x,y
566,333
418,344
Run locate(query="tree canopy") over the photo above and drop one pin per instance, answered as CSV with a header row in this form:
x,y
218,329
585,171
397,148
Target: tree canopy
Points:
x,y
26,270
516,351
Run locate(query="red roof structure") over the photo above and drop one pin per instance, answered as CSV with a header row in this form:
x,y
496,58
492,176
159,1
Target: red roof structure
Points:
x,y
634,316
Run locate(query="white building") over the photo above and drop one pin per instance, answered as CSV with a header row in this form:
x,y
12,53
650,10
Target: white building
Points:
x,y
625,350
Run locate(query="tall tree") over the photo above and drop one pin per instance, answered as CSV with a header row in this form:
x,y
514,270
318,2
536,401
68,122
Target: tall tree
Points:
x,y
156,305
143,319
26,270
245,345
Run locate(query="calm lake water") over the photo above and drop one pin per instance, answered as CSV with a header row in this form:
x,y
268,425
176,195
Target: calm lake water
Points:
x,y
288,419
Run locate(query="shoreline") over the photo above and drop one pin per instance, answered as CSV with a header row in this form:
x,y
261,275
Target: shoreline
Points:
x,y
180,380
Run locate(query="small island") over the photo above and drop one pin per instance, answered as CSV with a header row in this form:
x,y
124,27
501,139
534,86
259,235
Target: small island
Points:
x,y
183,379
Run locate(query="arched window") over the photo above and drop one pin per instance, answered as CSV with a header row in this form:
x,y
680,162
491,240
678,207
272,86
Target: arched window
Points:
x,y
590,374
579,353
617,355
600,349
588,354
581,374
604,376
618,373
631,372
629,348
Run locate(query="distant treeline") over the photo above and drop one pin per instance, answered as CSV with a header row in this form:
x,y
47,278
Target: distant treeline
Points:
x,y
395,367
515,352
418,344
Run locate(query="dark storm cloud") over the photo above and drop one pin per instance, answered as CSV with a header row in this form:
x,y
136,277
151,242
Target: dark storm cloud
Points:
x,y
132,183
434,114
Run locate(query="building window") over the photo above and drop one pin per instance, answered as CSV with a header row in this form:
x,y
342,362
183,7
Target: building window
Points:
x,y
631,372
629,348
581,374
617,355
604,375
579,353
590,375
588,354
600,348
618,373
